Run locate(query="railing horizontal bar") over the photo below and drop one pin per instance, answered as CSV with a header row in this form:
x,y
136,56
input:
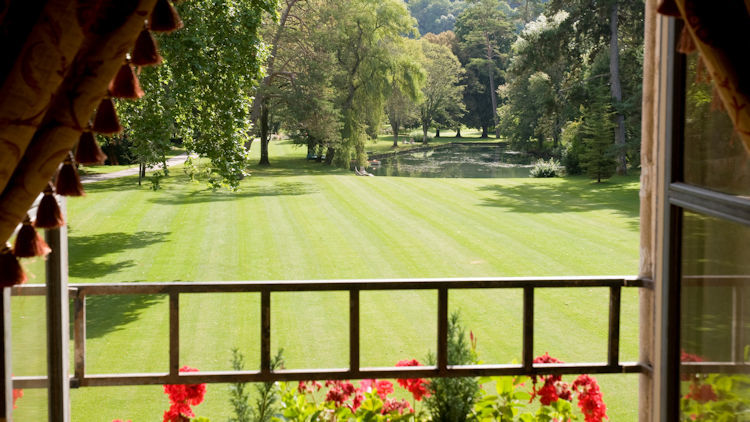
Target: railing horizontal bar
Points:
x,y
30,382
343,285
102,380
31,290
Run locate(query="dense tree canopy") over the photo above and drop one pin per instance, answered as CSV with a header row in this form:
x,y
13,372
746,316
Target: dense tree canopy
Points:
x,y
202,92
436,16
335,72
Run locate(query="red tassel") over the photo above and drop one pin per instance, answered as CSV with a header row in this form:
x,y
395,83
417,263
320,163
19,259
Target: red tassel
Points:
x,y
668,8
67,182
48,214
145,52
88,150
106,121
686,45
125,84
28,242
164,18
11,272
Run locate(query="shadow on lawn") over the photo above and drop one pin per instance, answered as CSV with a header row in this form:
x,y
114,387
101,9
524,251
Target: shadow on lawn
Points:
x,y
85,250
107,314
177,197
567,196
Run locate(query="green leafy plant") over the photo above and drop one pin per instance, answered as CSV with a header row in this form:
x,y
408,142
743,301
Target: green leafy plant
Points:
x,y
266,403
714,397
343,402
555,398
155,180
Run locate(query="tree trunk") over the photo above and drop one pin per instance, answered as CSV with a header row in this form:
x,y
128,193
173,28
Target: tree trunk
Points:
x,y
394,128
493,94
310,147
329,155
424,133
458,132
437,132
616,90
113,161
264,135
484,132
526,13
319,153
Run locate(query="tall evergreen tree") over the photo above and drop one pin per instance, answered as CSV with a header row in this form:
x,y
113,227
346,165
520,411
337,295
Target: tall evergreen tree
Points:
x,y
598,158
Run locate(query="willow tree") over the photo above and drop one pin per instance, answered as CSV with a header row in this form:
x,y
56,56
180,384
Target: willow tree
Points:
x,y
364,38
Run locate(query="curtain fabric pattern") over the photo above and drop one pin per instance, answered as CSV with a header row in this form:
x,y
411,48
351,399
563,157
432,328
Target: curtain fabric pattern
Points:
x,y
721,31
52,84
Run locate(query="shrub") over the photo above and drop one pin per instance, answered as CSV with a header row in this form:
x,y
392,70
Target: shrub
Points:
x,y
267,393
451,399
546,168
419,138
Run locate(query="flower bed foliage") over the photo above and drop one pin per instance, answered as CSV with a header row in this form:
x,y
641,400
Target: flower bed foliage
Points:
x,y
544,398
714,397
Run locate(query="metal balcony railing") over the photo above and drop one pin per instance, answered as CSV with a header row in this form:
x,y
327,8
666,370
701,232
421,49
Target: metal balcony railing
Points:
x,y
81,378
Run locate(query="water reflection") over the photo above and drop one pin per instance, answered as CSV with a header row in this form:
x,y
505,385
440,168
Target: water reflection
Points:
x,y
453,160
715,319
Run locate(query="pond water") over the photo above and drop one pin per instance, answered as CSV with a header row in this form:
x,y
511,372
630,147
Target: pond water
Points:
x,y
467,161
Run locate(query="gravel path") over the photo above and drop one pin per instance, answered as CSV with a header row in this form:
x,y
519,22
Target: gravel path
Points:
x,y
90,178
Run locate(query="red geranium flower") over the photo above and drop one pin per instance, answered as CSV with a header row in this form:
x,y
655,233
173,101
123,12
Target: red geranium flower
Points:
x,y
181,397
339,391
391,405
384,388
553,387
416,386
590,399
702,393
17,394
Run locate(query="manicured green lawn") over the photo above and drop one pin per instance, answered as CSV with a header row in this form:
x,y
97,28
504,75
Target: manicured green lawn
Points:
x,y
302,220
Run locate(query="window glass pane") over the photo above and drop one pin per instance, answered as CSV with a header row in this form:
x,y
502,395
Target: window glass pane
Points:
x,y
714,155
715,320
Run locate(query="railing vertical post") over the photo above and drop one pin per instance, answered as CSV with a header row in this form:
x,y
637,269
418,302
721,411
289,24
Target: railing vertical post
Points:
x,y
79,335
6,402
354,331
528,328
174,334
58,330
613,354
738,323
265,331
442,346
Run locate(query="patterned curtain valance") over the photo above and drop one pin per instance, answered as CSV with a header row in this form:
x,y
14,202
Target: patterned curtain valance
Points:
x,y
61,60
720,32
